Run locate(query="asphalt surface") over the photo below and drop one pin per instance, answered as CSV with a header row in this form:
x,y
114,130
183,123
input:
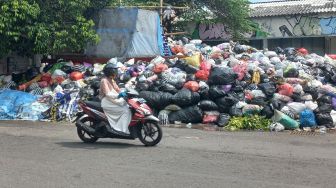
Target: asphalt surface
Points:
x,y
47,155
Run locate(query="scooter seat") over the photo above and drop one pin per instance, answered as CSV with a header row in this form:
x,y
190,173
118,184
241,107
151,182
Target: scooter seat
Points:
x,y
95,105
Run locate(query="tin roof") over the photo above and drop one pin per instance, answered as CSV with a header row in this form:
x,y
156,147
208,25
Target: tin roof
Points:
x,y
292,7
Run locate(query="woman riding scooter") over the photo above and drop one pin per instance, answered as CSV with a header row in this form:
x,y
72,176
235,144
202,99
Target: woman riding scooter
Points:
x,y
115,107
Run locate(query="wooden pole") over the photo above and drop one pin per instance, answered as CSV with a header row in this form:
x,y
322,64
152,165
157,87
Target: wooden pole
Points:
x,y
177,33
161,11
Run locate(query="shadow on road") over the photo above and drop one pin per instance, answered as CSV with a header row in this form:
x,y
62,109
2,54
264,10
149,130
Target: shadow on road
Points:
x,y
98,145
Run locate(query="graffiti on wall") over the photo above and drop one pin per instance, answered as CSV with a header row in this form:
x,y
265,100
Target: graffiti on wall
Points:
x,y
213,31
287,26
298,25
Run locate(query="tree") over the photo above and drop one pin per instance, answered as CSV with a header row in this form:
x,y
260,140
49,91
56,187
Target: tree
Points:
x,y
45,26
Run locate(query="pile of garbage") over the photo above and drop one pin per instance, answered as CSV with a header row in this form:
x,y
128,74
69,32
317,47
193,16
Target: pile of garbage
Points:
x,y
228,85
207,84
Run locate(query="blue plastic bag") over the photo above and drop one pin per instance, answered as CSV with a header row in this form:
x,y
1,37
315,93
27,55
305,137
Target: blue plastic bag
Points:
x,y
307,118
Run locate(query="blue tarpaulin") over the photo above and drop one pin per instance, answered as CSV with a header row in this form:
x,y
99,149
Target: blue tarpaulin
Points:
x,y
128,32
11,102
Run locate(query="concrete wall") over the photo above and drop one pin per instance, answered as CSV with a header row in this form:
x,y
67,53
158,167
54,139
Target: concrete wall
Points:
x,y
19,64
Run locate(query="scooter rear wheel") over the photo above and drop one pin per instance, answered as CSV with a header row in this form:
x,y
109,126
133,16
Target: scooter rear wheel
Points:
x,y
150,133
83,135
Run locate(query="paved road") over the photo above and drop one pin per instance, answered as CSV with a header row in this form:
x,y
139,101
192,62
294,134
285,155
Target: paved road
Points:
x,y
37,155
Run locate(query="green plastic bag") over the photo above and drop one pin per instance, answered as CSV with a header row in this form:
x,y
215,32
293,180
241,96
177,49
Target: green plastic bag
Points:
x,y
285,120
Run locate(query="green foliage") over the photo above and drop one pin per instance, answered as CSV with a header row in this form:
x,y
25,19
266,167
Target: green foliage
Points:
x,y
254,122
45,26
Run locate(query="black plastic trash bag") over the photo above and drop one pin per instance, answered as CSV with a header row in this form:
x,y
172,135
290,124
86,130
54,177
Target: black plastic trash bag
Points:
x,y
238,49
181,64
207,105
32,73
311,90
185,98
291,73
290,51
324,108
268,88
191,77
189,69
278,104
324,99
267,111
216,92
67,69
191,114
157,100
324,119
235,112
223,120
225,103
168,88
222,76
279,50
257,101
19,78
142,86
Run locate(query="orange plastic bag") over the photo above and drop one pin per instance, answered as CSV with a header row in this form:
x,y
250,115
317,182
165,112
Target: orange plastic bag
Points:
x,y
159,68
59,79
192,86
75,76
177,49
286,89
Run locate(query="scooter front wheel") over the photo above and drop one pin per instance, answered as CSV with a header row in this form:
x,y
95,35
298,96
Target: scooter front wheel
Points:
x,y
150,133
83,135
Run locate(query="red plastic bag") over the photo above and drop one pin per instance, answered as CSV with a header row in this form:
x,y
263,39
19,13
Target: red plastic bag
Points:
x,y
202,75
210,117
46,77
192,86
206,66
286,89
159,68
241,70
303,51
76,76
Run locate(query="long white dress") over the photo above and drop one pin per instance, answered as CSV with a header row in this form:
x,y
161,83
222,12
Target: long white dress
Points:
x,y
117,111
